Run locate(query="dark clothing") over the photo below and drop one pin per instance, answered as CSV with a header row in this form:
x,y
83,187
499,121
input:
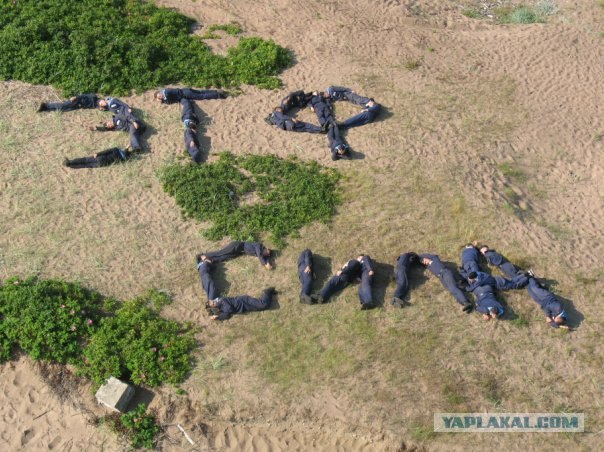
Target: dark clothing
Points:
x,y
342,93
81,101
192,144
237,248
350,271
498,282
188,113
469,261
297,99
549,303
494,258
322,109
129,124
103,158
205,276
364,117
336,143
118,107
447,279
285,122
305,260
173,95
403,266
486,301
241,304
365,288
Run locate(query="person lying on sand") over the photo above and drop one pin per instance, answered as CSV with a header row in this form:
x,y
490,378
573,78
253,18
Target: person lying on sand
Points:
x,y
238,248
433,263
73,103
173,95
222,308
103,158
555,315
290,124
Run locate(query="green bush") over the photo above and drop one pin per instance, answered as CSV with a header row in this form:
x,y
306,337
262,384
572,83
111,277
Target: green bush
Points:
x,y
139,427
115,46
274,195
136,344
50,320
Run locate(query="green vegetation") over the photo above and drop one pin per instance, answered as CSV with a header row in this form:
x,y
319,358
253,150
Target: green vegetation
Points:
x,y
413,64
232,29
526,14
137,426
140,346
115,46
63,322
471,13
250,194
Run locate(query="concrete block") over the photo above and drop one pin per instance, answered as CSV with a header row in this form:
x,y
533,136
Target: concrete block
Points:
x,y
115,394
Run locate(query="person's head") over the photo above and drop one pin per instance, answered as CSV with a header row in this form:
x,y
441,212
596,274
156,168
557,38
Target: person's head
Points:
x,y
266,252
472,276
278,109
371,103
560,319
109,125
493,313
360,257
213,304
484,249
102,103
158,96
425,261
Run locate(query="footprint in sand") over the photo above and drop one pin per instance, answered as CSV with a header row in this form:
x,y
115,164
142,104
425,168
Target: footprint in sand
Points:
x,y
26,436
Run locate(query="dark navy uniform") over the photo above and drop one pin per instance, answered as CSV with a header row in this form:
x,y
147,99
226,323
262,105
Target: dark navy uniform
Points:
x,y
550,305
403,266
446,277
188,113
367,115
81,101
192,144
469,261
305,261
237,248
243,303
173,95
365,288
103,158
323,110
339,148
297,99
486,301
349,272
129,124
285,122
118,107
499,282
207,283
494,258
346,94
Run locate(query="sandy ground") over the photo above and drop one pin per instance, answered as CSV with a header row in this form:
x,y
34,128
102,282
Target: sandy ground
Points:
x,y
511,115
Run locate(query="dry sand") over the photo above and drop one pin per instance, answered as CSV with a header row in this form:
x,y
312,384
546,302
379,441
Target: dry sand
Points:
x,y
484,99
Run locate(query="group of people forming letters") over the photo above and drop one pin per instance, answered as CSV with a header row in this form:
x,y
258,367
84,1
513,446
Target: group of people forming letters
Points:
x,y
468,279
321,104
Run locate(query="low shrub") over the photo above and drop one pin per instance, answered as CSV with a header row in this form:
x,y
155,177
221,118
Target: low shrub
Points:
x,y
116,46
137,344
49,319
270,195
137,426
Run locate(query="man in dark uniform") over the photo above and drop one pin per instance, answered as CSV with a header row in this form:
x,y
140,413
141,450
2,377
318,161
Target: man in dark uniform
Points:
x,y
285,122
129,124
365,288
205,267
297,99
367,115
433,263
227,306
469,260
322,108
192,144
342,93
114,105
555,315
74,103
498,260
173,95
188,113
103,158
403,266
339,148
348,273
238,248
483,286
305,275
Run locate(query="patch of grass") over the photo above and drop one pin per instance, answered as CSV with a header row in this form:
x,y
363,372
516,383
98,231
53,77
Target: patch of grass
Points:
x,y
423,431
138,427
452,394
471,13
232,29
247,195
491,390
520,321
413,64
525,14
510,171
116,46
